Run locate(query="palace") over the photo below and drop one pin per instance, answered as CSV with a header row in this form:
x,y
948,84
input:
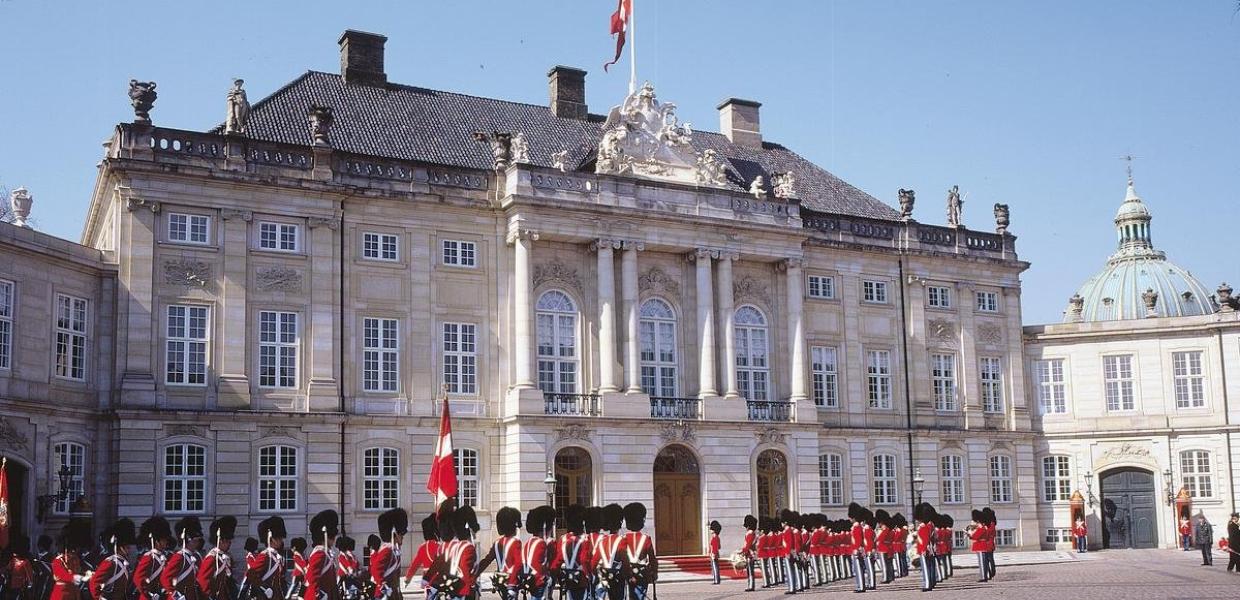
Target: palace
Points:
x,y
261,319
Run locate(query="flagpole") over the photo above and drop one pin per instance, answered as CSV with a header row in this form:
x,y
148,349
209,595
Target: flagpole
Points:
x,y
632,49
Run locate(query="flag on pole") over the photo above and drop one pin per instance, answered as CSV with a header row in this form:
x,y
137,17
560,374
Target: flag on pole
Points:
x,y
4,503
619,27
442,481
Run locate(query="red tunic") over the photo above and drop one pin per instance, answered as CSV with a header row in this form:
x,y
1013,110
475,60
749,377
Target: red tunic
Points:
x,y
869,538
640,555
989,539
112,577
346,564
978,535
266,572
146,576
21,573
748,547
534,560
609,550
178,575
427,554
1080,530
858,538
882,540
321,576
714,545
507,550
215,574
462,556
64,568
944,543
572,553
385,571
924,533
899,540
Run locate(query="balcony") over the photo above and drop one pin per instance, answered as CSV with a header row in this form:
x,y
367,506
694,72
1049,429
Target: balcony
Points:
x,y
769,411
571,405
676,409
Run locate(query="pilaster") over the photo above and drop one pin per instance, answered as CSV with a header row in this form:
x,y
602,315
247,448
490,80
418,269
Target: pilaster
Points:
x,y
137,269
705,321
632,358
322,391
233,383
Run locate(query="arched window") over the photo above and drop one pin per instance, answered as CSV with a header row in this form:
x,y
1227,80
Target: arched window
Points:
x,y
278,476
772,472
951,478
885,491
1000,479
557,343
73,456
1056,479
752,356
185,478
574,480
380,478
831,479
1195,467
658,348
467,469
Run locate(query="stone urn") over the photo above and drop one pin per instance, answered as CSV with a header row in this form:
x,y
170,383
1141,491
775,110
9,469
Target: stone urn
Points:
x,y
20,201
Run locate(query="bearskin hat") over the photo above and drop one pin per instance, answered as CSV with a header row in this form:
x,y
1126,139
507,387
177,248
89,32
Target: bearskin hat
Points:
x,y
613,517
546,520
223,528
634,516
715,527
271,528
977,516
430,528
447,530
507,520
882,517
396,520
989,515
898,520
594,518
373,542
855,512
575,518
298,544
155,528
947,521
75,535
251,545
750,522
345,543
324,526
464,523
123,533
188,528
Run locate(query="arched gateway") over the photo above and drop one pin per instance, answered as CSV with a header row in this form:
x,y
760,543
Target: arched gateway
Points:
x,y
1128,509
677,502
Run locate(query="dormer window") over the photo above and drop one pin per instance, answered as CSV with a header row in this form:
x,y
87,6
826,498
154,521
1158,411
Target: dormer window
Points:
x,y
1188,296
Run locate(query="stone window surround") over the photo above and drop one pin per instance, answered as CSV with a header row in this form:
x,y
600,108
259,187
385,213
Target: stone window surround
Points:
x,y
1206,361
842,454
162,381
1032,375
479,242
677,342
894,478
891,376
1134,378
840,358
827,275
302,240
11,319
946,300
402,258
992,479
209,451
963,478
998,295
1041,478
166,226
381,449
480,334
85,333
460,243
879,283
406,478
401,353
53,466
299,371
299,454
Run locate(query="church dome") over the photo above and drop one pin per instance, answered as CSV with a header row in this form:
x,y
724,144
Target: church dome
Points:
x,y
1138,281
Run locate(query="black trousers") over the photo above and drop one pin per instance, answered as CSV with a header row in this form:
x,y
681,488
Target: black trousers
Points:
x,y
1233,561
1206,557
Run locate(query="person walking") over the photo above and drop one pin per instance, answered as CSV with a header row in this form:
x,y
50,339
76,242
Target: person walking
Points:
x,y
1203,537
1233,543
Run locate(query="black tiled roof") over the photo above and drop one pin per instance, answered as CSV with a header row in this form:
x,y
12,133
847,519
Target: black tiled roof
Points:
x,y
418,124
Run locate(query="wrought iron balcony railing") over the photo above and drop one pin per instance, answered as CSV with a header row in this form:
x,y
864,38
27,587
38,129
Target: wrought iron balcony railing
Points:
x,y
689,409
571,405
769,410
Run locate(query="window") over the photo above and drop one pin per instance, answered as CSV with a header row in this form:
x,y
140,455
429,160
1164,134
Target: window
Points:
x,y
987,302
657,335
752,365
557,343
1117,376
938,296
831,479
821,286
379,246
185,478
380,354
992,384
1005,538
186,360
380,478
277,478
282,237
1056,479
874,292
960,539
1052,399
943,378
189,229
70,337
1195,467
460,358
951,477
1000,479
72,455
878,375
885,479
466,460
6,324
459,253
824,370
1054,535
1190,386
277,349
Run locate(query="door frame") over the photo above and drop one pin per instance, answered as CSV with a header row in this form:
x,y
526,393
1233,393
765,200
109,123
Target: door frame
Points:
x,y
1102,498
681,477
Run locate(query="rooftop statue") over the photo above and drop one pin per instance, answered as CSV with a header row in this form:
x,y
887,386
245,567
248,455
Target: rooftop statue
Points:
x,y
519,148
238,109
785,185
954,205
142,95
907,198
758,188
643,137
1002,218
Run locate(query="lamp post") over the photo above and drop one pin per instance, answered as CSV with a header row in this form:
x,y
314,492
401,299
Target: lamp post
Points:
x,y
1167,483
62,492
1089,489
918,484
550,483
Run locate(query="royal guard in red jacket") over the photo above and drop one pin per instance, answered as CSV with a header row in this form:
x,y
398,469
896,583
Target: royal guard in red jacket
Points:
x,y
989,522
349,576
594,531
871,551
67,575
882,544
385,561
297,583
713,547
925,515
19,569
111,578
899,544
943,546
157,534
430,553
787,550
609,555
856,548
265,572
252,556
570,562
749,550
178,578
1080,535
321,577
461,557
506,554
535,556
215,577
641,560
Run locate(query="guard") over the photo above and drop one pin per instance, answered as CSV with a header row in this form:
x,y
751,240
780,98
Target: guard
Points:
x,y
215,572
640,556
266,573
571,560
749,551
111,578
67,575
320,567
178,578
157,534
506,554
385,560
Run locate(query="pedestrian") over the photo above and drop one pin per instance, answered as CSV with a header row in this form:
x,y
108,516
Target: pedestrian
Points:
x,y
1186,532
715,528
1233,542
749,550
1081,534
1203,536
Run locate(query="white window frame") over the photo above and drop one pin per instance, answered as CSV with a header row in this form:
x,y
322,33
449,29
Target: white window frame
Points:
x,y
73,455
380,478
1052,382
182,343
824,376
831,479
943,381
459,253
557,348
990,372
753,354
72,325
1005,538
460,358
821,287
1196,471
8,300
184,479
381,355
279,344
938,296
885,479
188,235
1119,382
987,302
878,378
1189,378
375,246
1056,478
657,348
1000,479
1057,535
284,237
279,482
874,291
468,471
951,479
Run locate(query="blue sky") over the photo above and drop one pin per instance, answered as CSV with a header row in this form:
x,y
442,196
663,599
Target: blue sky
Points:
x,y
1030,104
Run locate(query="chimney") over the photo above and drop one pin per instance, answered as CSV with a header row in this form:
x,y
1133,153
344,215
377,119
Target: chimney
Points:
x,y
361,57
568,92
738,119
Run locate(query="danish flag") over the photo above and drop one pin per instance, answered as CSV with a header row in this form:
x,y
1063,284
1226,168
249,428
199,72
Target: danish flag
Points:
x,y
442,480
619,27
4,503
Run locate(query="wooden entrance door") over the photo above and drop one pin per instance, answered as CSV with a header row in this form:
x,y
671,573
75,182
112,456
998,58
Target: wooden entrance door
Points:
x,y
677,503
1128,518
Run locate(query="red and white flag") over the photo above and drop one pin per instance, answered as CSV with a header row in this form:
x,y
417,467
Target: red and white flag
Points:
x,y
442,480
4,503
619,27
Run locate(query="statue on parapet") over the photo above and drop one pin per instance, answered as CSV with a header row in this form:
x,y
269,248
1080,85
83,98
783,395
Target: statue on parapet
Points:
x,y
142,95
238,109
907,198
954,206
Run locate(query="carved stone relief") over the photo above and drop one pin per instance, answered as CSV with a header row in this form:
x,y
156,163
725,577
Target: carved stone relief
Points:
x,y
678,432
185,429
280,279
748,288
13,437
279,431
189,273
989,333
556,272
1126,452
654,280
770,435
941,332
573,431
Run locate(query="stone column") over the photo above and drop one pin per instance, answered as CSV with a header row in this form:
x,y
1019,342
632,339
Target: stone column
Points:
x,y
141,324
727,311
233,384
628,275
322,391
523,313
796,329
606,315
705,323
